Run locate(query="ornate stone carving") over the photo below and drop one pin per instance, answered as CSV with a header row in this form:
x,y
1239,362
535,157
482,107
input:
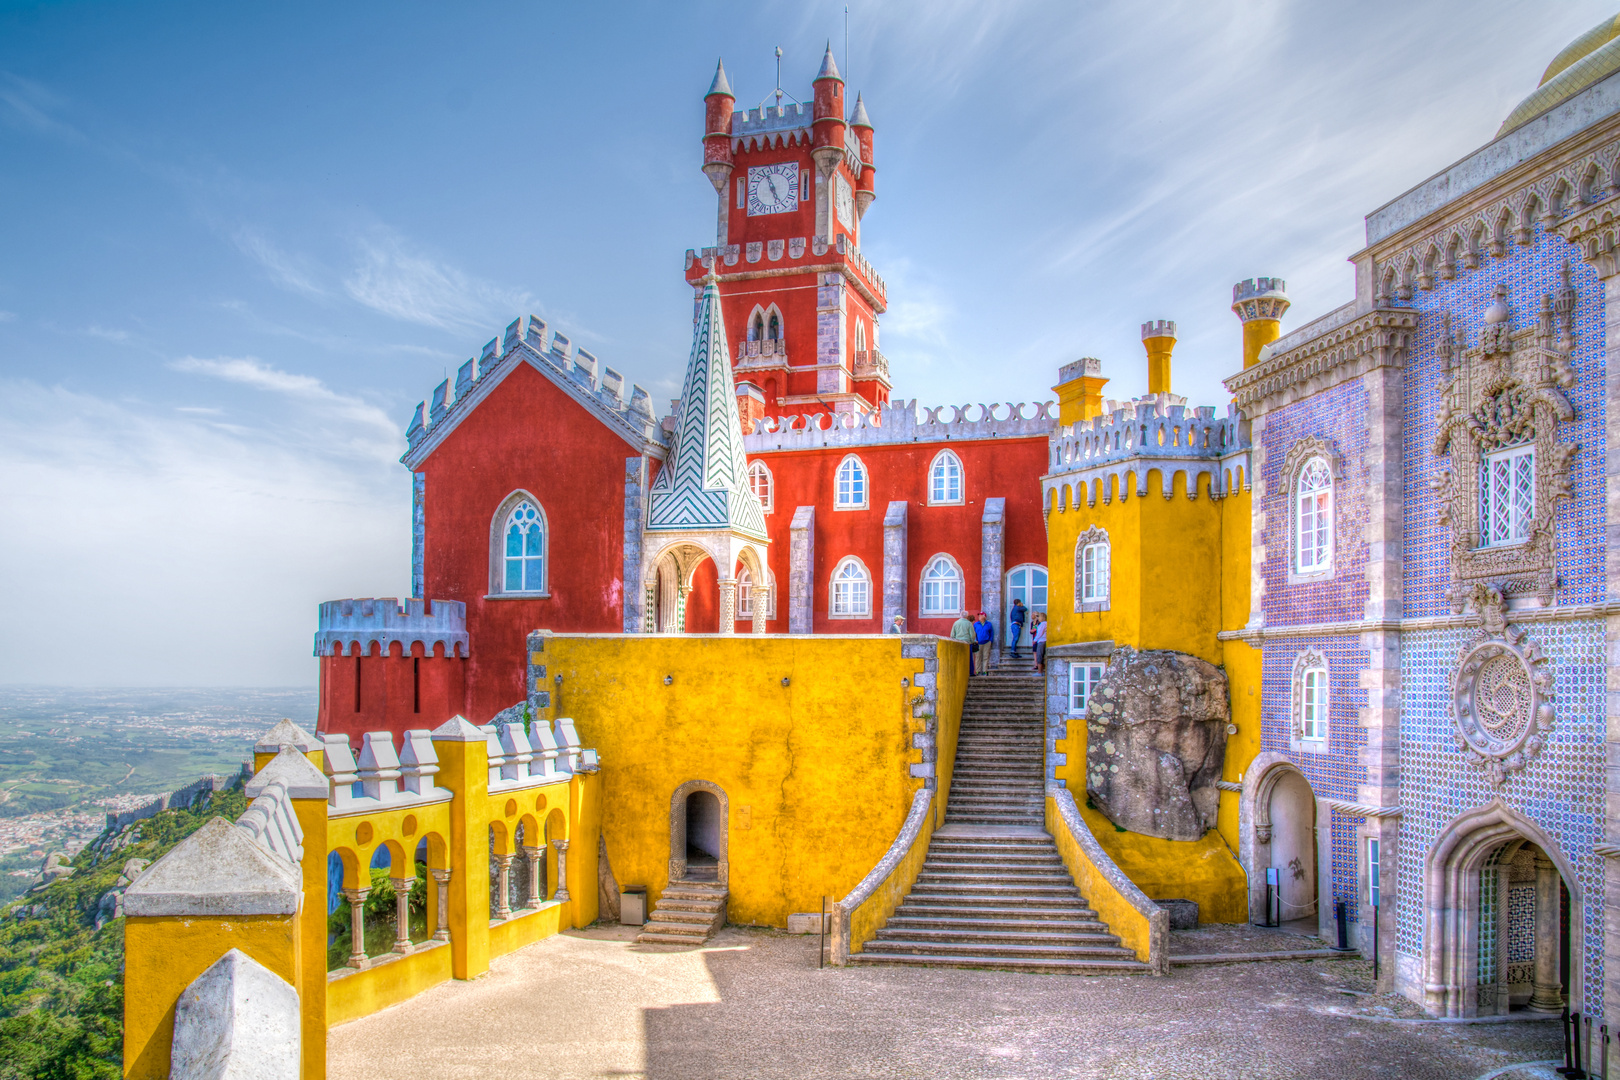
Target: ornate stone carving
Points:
x,y
1506,391
1501,692
1310,658
1092,535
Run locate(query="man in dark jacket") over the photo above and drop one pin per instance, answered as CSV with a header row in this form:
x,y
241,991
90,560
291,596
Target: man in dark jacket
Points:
x,y
1017,617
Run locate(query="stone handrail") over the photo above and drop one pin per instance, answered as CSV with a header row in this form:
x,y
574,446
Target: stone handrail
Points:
x,y
1142,925
858,917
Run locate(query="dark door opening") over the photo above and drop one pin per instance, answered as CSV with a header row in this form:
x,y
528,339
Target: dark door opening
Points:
x,y
702,836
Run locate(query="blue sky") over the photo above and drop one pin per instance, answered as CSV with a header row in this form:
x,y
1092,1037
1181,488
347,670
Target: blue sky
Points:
x,y
239,243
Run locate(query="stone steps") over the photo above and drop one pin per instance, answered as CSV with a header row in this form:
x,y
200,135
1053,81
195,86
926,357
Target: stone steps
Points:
x,y
687,913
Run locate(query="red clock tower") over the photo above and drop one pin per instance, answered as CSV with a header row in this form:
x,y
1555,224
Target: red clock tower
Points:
x,y
800,303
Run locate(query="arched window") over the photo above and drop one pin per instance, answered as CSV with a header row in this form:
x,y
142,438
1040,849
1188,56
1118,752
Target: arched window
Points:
x,y
1091,571
1313,518
759,480
851,591
851,488
945,480
1310,692
524,550
756,329
942,587
773,331
745,596
860,336
1507,493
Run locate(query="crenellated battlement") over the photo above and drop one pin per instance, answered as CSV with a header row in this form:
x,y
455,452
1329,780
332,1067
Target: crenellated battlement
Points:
x,y
749,126
1159,328
595,385
900,422
794,249
1157,427
344,627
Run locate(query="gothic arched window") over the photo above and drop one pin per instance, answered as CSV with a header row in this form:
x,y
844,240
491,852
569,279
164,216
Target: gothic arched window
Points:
x,y
945,479
756,330
851,488
851,591
759,481
1091,571
773,331
524,549
1313,518
941,593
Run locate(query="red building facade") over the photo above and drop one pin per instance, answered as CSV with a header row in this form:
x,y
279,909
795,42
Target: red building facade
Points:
x,y
534,473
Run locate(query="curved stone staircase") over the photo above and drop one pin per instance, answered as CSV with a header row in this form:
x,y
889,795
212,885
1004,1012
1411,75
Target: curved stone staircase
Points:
x,y
993,891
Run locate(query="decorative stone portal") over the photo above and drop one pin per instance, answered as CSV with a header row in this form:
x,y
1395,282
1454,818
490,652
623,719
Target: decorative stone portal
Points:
x,y
1285,840
699,824
1497,894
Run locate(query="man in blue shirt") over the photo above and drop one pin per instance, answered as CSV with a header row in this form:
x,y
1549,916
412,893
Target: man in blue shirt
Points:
x,y
1017,617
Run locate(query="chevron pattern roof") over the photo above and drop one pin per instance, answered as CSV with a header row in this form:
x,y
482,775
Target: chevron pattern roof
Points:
x,y
704,485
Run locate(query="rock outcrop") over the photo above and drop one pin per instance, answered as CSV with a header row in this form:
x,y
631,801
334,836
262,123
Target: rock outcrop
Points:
x,y
1156,741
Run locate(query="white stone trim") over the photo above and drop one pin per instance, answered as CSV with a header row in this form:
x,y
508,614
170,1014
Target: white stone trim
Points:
x,y
832,580
497,547
866,485
961,478
961,578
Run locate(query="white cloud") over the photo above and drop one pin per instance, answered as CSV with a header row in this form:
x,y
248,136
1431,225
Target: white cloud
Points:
x,y
293,273
413,287
165,549
118,337
7,316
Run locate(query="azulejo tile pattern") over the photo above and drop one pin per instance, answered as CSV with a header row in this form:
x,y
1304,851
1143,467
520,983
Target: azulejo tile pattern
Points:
x,y
1521,932
1529,272
1340,771
1339,417
1561,789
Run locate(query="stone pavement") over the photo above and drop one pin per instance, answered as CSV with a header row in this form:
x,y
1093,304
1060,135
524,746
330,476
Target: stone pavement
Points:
x,y
752,1005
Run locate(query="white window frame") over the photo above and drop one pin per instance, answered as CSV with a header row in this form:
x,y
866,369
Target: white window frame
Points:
x,y
1375,882
1093,571
865,485
941,610
497,548
1507,510
1310,508
1084,677
939,484
745,594
857,607
1314,703
757,469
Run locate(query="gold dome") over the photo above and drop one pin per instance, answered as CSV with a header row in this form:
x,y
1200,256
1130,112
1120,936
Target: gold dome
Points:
x,y
1590,58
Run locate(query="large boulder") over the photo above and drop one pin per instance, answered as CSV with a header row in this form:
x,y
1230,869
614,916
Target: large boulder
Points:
x,y
1156,741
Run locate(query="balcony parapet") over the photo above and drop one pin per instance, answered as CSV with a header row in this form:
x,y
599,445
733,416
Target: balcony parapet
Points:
x,y
345,626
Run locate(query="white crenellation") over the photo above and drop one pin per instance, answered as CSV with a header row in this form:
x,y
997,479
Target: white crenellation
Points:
x,y
271,822
378,766
337,762
797,248
345,626
568,743
418,762
899,422
573,369
1131,438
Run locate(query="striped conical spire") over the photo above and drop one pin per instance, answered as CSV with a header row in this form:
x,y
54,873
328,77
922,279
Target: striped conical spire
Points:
x,y
703,485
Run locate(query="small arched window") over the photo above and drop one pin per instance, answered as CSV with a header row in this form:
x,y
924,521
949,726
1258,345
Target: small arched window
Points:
x,y
756,329
760,482
745,595
851,488
1091,571
1311,701
945,480
773,331
942,587
525,549
1313,518
851,591
860,336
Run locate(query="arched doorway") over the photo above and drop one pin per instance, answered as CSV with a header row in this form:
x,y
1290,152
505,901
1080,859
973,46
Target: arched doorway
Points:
x,y
1503,924
699,827
1285,846
1026,583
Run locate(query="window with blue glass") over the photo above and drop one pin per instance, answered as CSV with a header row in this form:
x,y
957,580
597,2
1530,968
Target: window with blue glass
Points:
x,y
525,549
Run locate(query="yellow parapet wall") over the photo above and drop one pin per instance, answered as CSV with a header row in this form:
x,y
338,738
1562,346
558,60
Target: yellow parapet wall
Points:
x,y
1142,925
810,743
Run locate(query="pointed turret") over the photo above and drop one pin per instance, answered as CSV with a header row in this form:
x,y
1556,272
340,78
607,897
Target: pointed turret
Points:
x,y
829,68
718,104
866,182
829,104
860,119
703,486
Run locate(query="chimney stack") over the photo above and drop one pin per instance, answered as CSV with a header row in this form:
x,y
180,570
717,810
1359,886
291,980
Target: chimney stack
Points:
x,y
1260,303
1159,338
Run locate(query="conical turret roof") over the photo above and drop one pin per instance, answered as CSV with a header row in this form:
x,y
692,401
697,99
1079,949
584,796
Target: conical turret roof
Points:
x,y
720,84
859,118
829,69
704,484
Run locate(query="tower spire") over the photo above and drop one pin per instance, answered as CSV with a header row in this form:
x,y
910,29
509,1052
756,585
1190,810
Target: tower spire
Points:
x,y
721,84
829,66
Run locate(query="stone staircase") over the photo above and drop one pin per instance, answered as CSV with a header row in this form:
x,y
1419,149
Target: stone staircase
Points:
x,y
688,912
993,891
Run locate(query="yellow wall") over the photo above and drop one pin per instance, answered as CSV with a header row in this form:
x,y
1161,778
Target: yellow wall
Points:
x,y
872,913
1179,575
1117,912
952,684
164,954
816,773
351,994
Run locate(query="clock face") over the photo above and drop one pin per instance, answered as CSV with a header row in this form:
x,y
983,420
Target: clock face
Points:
x,y
773,189
844,203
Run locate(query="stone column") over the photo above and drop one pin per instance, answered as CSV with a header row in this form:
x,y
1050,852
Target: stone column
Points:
x,y
357,926
402,914
503,905
635,473
728,605
679,627
802,571
442,879
1546,994
991,570
533,854
762,606
895,572
562,869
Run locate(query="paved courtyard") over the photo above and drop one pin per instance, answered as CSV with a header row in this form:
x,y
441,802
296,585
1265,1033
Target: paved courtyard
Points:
x,y
753,1005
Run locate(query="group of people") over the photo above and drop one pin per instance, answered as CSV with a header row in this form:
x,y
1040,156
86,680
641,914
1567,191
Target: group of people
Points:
x,y
980,633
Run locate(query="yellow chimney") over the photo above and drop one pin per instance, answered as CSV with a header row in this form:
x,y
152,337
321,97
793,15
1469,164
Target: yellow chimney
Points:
x,y
1260,303
1160,340
1079,390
